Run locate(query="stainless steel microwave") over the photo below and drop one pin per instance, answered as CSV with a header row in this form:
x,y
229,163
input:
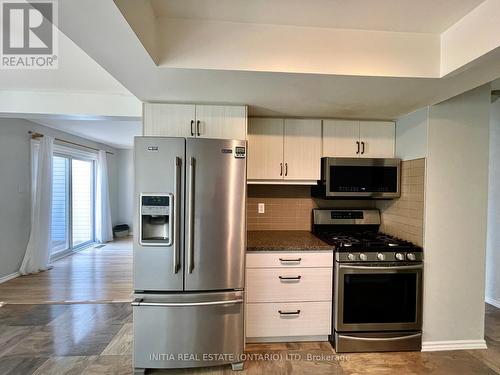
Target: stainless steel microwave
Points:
x,y
359,178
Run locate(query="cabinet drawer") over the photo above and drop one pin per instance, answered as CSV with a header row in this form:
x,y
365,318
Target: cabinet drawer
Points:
x,y
287,285
290,259
304,319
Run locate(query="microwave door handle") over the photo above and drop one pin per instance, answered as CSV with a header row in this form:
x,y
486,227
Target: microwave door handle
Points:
x,y
178,163
190,241
388,268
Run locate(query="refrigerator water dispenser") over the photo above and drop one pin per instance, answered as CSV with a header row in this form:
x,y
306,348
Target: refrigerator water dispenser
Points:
x,y
156,220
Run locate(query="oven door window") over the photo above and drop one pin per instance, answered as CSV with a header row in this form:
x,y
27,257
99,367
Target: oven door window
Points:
x,y
380,298
369,179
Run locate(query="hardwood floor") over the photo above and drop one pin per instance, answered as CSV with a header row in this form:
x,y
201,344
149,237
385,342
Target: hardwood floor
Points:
x,y
83,339
91,275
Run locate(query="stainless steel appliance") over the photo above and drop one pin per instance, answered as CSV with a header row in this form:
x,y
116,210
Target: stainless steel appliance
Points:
x,y
189,252
377,283
359,178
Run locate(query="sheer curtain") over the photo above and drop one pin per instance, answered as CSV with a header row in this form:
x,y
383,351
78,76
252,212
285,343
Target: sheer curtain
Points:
x,y
37,254
103,227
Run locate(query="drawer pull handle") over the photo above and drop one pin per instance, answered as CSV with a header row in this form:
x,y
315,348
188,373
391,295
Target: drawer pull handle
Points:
x,y
290,277
290,260
296,312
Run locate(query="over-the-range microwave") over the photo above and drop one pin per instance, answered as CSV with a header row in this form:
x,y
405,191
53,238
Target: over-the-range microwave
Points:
x,y
351,178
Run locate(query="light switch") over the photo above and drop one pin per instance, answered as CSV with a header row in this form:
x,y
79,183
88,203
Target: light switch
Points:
x,y
261,208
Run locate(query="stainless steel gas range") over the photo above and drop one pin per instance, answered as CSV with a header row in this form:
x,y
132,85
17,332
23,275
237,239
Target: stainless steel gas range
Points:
x,y
377,283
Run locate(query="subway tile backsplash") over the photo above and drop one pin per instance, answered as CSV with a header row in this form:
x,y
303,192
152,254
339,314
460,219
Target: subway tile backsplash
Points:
x,y
290,207
404,217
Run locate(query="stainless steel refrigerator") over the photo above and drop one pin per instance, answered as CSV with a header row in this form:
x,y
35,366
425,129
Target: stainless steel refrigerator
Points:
x,y
189,248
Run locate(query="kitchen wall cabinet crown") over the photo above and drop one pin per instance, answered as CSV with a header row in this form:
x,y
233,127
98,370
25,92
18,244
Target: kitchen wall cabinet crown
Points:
x,y
284,150
195,121
364,139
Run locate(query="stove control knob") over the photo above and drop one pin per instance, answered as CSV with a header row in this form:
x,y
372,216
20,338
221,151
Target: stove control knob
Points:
x,y
400,256
380,256
411,256
351,256
363,256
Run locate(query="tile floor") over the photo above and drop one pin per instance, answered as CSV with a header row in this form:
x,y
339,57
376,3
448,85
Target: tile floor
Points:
x,y
97,339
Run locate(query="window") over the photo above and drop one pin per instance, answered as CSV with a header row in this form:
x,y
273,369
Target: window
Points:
x,y
73,203
60,204
82,201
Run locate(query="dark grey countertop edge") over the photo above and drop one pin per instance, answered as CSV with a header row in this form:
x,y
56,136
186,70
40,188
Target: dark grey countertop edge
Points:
x,y
287,249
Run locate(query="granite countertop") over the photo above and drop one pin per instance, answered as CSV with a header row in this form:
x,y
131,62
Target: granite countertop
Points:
x,y
284,240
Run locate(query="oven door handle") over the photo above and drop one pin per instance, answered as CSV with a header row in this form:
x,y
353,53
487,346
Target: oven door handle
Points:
x,y
381,338
388,268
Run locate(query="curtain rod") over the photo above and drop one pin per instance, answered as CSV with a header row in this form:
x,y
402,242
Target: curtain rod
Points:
x,y
35,135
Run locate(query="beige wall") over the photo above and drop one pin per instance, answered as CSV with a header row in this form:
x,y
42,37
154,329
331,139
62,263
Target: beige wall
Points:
x,y
411,135
125,188
404,217
493,248
455,220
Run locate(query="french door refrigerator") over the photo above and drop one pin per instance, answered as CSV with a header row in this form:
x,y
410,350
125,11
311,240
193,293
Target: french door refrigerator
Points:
x,y
189,248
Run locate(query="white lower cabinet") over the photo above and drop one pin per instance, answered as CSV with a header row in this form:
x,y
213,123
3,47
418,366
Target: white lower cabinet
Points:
x,y
288,319
288,296
292,284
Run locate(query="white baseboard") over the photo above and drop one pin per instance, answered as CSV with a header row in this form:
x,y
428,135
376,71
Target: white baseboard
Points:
x,y
493,302
9,277
434,346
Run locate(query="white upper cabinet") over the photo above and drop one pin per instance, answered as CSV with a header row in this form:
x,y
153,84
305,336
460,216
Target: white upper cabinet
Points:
x,y
224,122
341,138
265,149
365,139
377,139
302,151
284,151
169,120
195,121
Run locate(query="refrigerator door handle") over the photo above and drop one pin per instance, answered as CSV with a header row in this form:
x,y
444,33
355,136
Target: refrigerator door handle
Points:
x,y
192,165
139,302
177,183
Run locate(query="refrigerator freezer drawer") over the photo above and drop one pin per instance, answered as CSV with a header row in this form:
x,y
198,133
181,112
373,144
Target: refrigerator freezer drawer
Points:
x,y
187,330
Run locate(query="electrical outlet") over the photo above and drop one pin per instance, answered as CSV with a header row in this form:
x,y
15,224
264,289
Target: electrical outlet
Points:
x,y
261,208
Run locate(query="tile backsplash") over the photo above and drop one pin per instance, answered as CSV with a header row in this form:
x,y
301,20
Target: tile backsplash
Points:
x,y
290,207
404,217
